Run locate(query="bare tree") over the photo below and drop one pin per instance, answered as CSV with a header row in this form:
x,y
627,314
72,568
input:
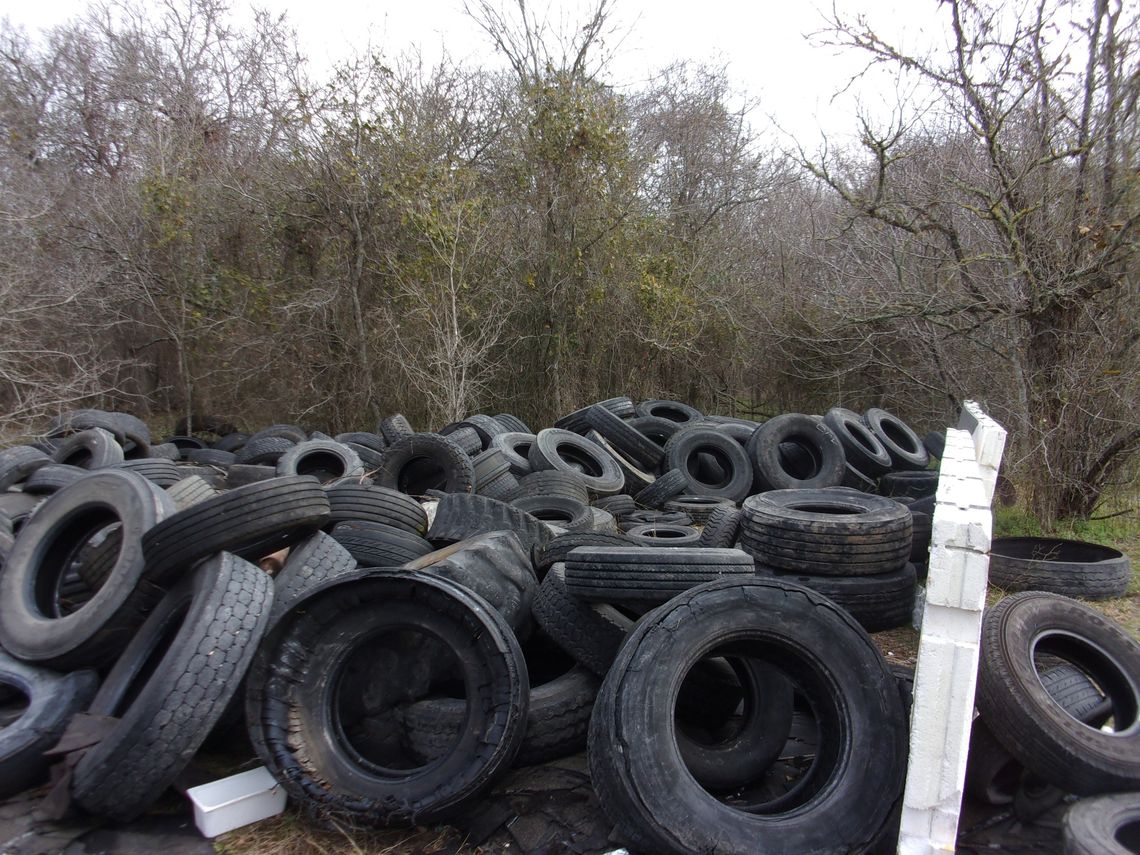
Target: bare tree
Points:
x,y
1021,204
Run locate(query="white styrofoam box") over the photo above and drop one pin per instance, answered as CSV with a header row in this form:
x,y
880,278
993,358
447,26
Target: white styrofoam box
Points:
x,y
238,800
948,652
962,580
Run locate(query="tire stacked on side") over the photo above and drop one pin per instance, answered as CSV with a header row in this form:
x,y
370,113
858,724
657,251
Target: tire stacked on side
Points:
x,y
851,547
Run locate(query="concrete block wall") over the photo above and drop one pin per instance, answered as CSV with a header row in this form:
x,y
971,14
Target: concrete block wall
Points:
x,y
947,667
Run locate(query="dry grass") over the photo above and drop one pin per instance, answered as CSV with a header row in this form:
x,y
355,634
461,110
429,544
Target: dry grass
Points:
x,y
290,834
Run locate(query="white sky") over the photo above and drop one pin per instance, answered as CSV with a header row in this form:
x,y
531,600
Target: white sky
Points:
x,y
764,44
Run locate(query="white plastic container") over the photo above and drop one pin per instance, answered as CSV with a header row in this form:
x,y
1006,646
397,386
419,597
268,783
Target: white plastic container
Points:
x,y
238,800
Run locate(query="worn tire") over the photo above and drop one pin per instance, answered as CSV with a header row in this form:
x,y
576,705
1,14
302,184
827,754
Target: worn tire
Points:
x,y
375,504
459,516
250,521
569,514
515,448
730,476
856,782
1107,825
377,545
52,699
835,532
591,633
559,547
326,460
720,529
1070,567
644,575
263,450
309,564
1022,714
621,407
674,411
825,466
666,487
94,448
902,443
221,611
426,461
861,447
36,624
310,736
879,602
565,451
635,446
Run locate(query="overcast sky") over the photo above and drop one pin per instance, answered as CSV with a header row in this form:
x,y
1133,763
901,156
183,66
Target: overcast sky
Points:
x,y
764,45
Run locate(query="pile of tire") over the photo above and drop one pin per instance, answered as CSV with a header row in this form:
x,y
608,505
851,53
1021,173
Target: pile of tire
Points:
x,y
401,617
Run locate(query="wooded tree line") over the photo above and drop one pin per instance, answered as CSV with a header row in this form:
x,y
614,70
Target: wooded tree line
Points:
x,y
193,222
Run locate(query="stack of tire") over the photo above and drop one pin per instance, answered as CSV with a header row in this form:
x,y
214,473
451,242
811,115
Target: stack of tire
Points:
x,y
852,547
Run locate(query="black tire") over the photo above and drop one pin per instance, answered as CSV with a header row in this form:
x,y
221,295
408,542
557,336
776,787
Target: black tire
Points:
x,y
720,529
489,466
426,461
844,803
230,442
861,447
856,480
698,508
591,633
515,447
512,423
902,443
244,474
164,473
729,478
496,566
127,429
879,602
94,448
263,451
568,452
369,440
376,504
663,535
167,451
1023,716
558,719
910,483
622,407
647,575
290,432
459,516
189,492
183,444
553,482
835,532
731,752
18,462
251,521
378,545
1070,567
634,479
465,436
325,460
1107,825
668,485
935,443
310,563
650,517
309,725
51,478
569,514
635,446
559,547
51,700
394,428
210,624
618,505
674,411
992,775
657,429
210,457
37,622
825,465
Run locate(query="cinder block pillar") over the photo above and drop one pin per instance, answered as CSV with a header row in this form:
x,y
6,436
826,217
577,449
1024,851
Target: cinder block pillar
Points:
x,y
946,672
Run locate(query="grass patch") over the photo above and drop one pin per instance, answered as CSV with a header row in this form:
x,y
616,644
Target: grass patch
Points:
x,y
290,834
